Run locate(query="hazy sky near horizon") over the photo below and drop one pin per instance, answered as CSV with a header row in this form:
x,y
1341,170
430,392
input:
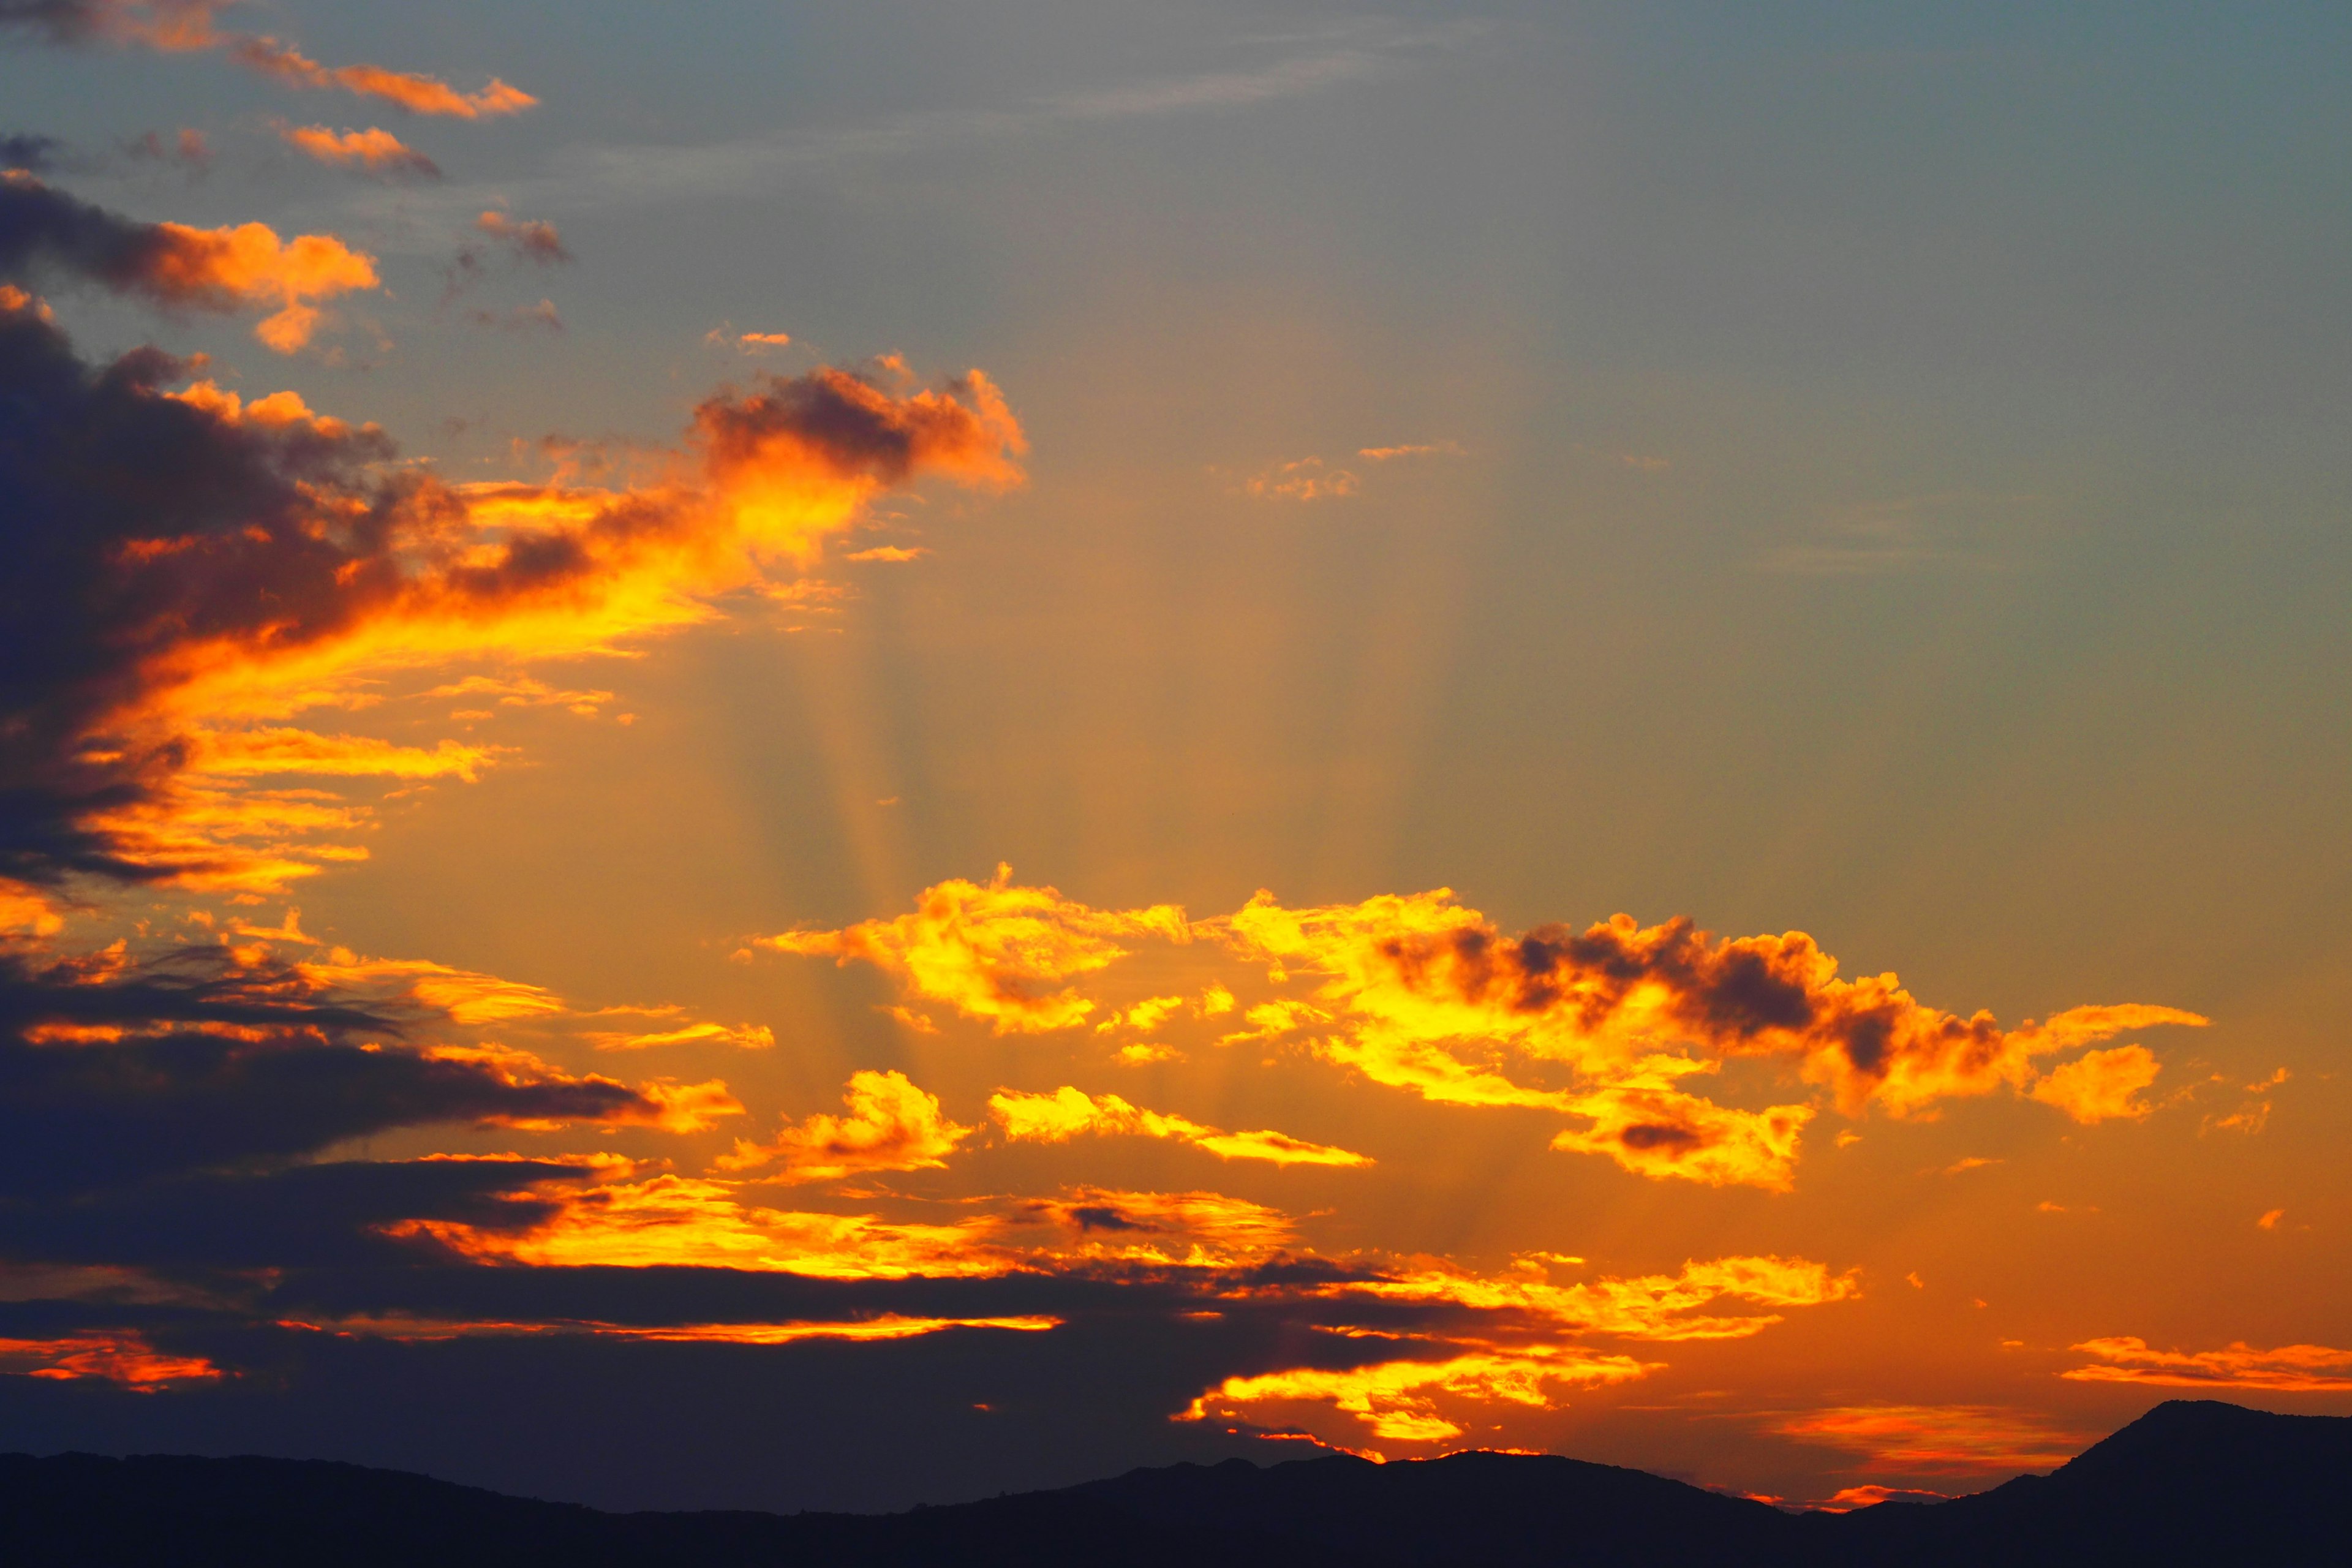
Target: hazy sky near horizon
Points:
x,y
1876,473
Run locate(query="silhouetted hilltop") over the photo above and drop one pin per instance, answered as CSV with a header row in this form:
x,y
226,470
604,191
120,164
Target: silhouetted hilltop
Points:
x,y
2188,1483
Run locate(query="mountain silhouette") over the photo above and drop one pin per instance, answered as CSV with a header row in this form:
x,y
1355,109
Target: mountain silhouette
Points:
x,y
2191,1483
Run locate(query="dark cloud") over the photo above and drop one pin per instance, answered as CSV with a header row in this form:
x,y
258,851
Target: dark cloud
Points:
x,y
93,459
854,427
188,150
523,241
109,1079
39,154
320,1215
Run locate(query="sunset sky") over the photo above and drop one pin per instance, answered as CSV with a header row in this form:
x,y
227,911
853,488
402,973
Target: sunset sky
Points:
x,y
831,755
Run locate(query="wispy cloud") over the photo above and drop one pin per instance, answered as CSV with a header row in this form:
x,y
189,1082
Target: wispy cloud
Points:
x,y
1944,530
1316,63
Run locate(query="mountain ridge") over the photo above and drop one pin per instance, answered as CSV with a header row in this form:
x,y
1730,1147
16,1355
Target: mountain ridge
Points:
x,y
2189,1482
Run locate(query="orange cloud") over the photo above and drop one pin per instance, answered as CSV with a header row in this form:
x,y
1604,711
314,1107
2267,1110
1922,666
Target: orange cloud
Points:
x,y
317,572
1000,952
2098,1086
1422,449
1661,1132
374,150
1418,992
2289,1369
675,1221
124,1359
746,1036
891,1126
178,266
663,1103
1415,971
1661,1306
1937,1439
1303,481
404,89
28,912
1397,1399
1067,1112
1194,1230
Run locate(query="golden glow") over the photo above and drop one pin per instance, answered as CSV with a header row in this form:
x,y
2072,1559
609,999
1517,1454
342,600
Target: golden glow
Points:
x,y
1397,1399
124,1359
1662,1307
1418,992
891,1126
1067,1112
2289,1369
1938,1439
1001,952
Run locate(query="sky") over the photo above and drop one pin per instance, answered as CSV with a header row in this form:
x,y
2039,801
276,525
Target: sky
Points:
x,y
837,755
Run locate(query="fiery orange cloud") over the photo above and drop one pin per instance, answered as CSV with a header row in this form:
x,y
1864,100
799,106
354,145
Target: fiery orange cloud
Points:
x,y
404,89
746,1036
891,1126
889,1326
182,26
1419,992
341,572
1937,1439
677,1221
1000,952
375,150
248,752
1420,970
661,1102
28,912
1067,1112
2099,1085
1196,1230
1397,1399
1661,1132
1661,1306
466,996
178,266
523,691
2289,1369
127,1359
881,1326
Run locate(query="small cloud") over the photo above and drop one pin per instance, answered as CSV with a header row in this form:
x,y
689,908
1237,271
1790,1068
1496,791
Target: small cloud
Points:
x,y
1913,1281
1303,481
186,150
1971,1163
888,552
919,1022
1848,1139
34,154
522,241
1146,1052
888,800
541,317
1423,449
2271,1218
374,150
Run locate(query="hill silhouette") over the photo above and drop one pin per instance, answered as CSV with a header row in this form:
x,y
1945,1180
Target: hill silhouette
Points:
x,y
2190,1482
